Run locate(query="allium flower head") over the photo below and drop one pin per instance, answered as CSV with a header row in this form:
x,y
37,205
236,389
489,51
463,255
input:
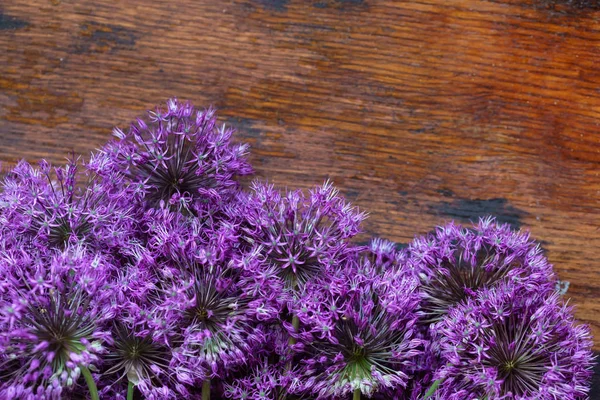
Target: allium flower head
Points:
x,y
138,353
359,330
211,318
299,235
57,207
180,157
514,343
138,357
51,318
455,263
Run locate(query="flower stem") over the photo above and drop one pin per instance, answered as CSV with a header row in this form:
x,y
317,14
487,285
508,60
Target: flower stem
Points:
x,y
206,390
356,395
295,319
87,375
296,326
130,388
432,389
292,341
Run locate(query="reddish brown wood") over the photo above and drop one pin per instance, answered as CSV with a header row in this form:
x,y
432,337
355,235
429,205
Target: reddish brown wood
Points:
x,y
420,111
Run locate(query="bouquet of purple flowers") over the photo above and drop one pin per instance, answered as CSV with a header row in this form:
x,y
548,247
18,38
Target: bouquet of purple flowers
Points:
x,y
148,272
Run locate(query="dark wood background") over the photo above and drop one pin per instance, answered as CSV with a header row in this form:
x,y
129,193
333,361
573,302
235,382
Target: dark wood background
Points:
x,y
420,111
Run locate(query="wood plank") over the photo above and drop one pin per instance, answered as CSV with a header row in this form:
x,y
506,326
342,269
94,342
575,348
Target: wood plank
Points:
x,y
421,111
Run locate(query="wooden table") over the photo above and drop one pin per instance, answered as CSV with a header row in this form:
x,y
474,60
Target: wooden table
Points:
x,y
420,111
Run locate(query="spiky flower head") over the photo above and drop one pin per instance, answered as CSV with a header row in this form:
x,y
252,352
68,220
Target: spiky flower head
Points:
x,y
297,234
359,330
135,356
455,263
512,343
55,207
179,157
140,354
211,318
52,311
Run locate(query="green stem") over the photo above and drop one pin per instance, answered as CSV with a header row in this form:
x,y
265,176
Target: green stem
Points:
x,y
356,395
295,319
432,389
130,388
291,342
206,390
296,326
87,375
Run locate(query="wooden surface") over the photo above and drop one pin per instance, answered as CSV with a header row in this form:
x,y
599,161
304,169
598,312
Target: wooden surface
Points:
x,y
420,111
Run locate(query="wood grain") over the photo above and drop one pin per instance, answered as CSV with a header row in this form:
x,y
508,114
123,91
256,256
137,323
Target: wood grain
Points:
x,y
420,111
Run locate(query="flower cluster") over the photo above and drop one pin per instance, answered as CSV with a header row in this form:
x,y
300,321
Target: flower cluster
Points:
x,y
52,208
150,272
53,309
300,237
359,329
180,158
455,263
512,343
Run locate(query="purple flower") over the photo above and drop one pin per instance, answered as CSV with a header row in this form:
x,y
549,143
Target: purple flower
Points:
x,y
455,263
145,362
52,208
139,354
180,158
210,317
168,234
213,323
52,310
510,342
300,236
359,328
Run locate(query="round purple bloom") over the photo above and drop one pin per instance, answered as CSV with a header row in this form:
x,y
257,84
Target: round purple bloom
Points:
x,y
136,357
210,317
300,236
52,311
139,354
454,263
49,207
213,321
513,343
359,328
168,234
180,158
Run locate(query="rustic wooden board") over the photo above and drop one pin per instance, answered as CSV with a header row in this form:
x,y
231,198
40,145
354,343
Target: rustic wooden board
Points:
x,y
420,111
